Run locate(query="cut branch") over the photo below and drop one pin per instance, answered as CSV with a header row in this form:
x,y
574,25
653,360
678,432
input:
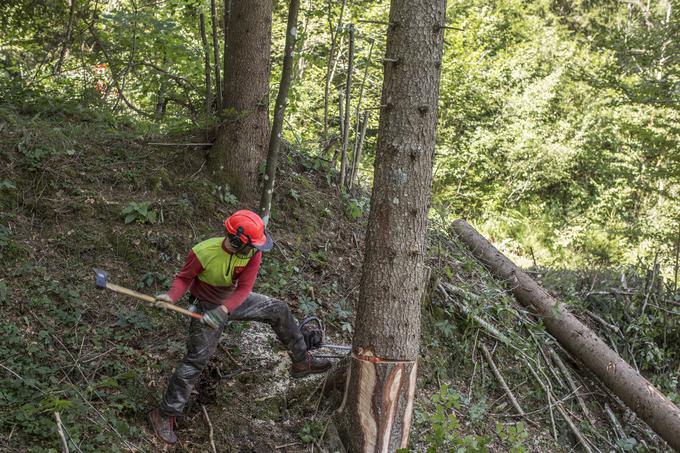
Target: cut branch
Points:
x,y
572,385
501,381
60,430
210,429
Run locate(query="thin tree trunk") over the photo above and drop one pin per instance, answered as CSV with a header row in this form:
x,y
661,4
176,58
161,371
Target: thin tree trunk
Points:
x,y
380,387
227,14
216,51
161,102
677,260
279,110
358,149
348,91
67,39
341,126
357,129
626,383
206,68
331,53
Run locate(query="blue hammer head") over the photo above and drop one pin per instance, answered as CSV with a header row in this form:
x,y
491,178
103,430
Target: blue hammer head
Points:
x,y
100,278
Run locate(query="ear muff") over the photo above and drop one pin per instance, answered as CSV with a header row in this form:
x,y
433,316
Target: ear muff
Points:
x,y
240,240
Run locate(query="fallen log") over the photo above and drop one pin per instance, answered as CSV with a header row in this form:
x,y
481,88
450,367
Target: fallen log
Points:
x,y
634,390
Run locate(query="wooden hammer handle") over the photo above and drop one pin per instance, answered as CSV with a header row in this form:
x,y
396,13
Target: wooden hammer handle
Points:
x,y
151,300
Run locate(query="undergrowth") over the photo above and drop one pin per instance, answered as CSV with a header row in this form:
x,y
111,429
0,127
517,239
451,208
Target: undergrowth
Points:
x,y
81,188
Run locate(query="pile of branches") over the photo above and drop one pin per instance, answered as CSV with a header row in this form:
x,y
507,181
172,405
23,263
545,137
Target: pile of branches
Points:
x,y
512,340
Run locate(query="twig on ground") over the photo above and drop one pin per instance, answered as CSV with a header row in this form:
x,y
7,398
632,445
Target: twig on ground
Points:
x,y
226,351
618,428
210,429
501,380
552,416
601,321
474,369
64,443
574,388
563,413
466,311
279,447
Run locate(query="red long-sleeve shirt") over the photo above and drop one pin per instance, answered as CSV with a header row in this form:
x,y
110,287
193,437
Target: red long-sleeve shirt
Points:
x,y
243,279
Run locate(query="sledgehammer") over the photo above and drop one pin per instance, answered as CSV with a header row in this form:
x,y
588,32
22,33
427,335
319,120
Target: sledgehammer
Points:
x,y
101,283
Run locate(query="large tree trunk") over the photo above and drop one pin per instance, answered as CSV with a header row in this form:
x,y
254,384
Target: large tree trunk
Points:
x,y
380,387
626,383
243,135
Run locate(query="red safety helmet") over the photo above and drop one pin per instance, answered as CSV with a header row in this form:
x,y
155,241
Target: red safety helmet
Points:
x,y
247,227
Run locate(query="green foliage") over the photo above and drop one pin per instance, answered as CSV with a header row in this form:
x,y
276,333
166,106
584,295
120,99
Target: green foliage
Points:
x,y
156,280
39,355
223,194
307,305
5,236
356,207
514,436
445,433
139,212
627,444
311,431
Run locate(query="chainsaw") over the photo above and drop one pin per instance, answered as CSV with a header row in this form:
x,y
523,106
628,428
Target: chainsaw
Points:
x,y
313,332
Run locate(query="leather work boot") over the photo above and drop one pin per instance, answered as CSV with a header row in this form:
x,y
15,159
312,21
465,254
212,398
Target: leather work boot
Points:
x,y
163,426
309,365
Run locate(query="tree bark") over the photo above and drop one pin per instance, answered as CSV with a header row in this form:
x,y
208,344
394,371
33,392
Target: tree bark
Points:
x,y
381,384
67,39
331,52
206,70
348,98
243,135
360,127
358,148
216,51
227,15
626,383
279,110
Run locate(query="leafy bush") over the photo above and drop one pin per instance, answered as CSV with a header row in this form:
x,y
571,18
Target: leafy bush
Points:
x,y
139,212
311,431
445,433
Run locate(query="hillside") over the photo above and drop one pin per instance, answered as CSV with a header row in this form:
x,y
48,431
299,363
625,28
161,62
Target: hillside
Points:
x,y
81,189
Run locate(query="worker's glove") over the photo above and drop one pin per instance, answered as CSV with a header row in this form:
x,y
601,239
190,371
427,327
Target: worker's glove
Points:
x,y
216,317
163,297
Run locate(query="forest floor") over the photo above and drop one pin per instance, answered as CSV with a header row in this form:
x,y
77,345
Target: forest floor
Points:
x,y
70,179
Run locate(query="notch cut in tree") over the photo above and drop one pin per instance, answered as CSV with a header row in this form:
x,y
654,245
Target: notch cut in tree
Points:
x,y
377,409
279,110
637,392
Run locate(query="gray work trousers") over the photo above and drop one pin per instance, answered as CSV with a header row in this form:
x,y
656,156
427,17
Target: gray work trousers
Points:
x,y
203,341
